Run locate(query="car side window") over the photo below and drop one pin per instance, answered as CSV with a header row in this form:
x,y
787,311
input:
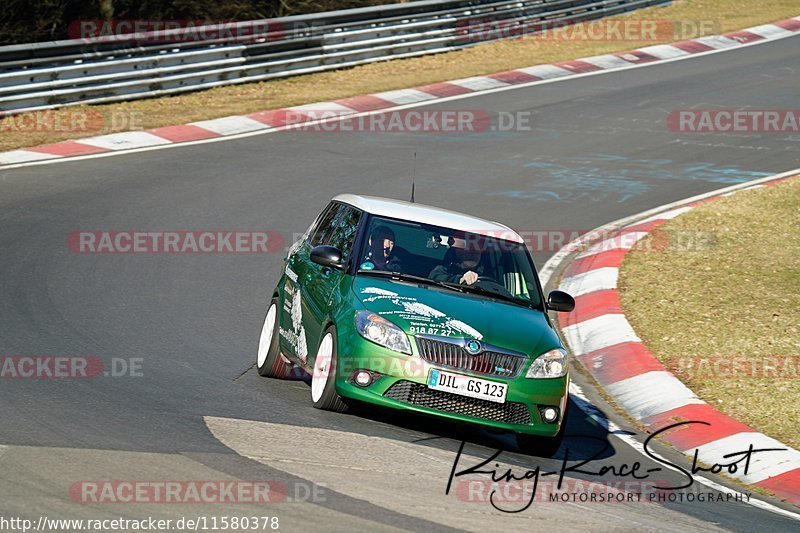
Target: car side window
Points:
x,y
322,232
345,226
337,227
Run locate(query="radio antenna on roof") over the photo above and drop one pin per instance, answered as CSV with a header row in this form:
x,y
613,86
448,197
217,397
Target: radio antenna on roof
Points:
x,y
414,177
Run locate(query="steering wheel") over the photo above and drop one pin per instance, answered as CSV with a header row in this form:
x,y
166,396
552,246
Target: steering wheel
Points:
x,y
491,284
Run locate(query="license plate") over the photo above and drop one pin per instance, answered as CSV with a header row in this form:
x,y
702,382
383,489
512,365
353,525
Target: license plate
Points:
x,y
467,386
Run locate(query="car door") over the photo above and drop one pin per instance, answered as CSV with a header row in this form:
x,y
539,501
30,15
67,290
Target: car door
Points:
x,y
317,287
293,338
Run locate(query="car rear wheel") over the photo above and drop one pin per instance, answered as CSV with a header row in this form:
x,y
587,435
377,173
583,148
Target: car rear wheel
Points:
x,y
323,380
269,361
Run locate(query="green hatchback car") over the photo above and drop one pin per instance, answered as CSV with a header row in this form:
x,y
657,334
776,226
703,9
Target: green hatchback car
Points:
x,y
422,309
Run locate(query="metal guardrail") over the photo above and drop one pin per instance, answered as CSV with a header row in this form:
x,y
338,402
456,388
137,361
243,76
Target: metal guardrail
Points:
x,y
141,65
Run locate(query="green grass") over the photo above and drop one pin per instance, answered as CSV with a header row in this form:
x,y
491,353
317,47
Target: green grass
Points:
x,y
734,299
722,16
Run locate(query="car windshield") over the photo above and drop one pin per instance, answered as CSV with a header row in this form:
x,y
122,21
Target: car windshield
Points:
x,y
469,262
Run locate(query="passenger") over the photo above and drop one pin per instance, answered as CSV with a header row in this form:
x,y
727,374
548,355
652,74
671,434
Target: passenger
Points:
x,y
464,269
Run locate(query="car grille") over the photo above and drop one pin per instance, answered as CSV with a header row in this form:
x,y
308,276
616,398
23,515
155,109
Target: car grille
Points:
x,y
420,395
488,362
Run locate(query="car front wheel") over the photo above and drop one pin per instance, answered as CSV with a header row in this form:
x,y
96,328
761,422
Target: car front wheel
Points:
x,y
323,380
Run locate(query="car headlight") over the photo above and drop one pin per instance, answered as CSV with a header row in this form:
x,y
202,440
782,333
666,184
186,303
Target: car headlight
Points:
x,y
377,329
552,364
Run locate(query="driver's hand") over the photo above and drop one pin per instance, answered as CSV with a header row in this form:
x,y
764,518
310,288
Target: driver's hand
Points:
x,y
469,278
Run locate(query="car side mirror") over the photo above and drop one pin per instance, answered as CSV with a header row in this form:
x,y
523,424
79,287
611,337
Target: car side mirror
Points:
x,y
328,256
560,301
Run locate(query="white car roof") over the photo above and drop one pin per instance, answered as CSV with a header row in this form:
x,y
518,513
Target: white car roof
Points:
x,y
426,214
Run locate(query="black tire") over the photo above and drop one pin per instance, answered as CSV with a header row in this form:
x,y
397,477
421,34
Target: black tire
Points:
x,y
273,365
329,399
542,446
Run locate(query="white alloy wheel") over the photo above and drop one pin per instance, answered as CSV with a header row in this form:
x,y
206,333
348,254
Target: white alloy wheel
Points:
x,y
266,334
322,367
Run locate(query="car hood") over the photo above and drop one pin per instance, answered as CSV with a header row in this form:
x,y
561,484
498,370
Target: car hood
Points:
x,y
424,309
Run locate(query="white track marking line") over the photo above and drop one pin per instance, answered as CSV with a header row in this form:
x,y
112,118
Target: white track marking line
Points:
x,y
429,100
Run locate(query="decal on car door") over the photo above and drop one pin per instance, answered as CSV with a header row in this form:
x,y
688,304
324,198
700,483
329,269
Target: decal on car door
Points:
x,y
291,274
296,336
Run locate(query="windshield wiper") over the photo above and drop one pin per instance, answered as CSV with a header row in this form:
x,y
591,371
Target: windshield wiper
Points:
x,y
494,294
411,277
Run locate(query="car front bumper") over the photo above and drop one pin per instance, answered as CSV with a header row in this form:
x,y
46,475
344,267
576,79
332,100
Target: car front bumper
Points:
x,y
402,384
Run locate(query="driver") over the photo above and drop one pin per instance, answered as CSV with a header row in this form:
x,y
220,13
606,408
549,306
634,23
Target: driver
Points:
x,y
465,268
381,250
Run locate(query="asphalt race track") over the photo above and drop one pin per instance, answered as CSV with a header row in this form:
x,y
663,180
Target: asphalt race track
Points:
x,y
599,149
